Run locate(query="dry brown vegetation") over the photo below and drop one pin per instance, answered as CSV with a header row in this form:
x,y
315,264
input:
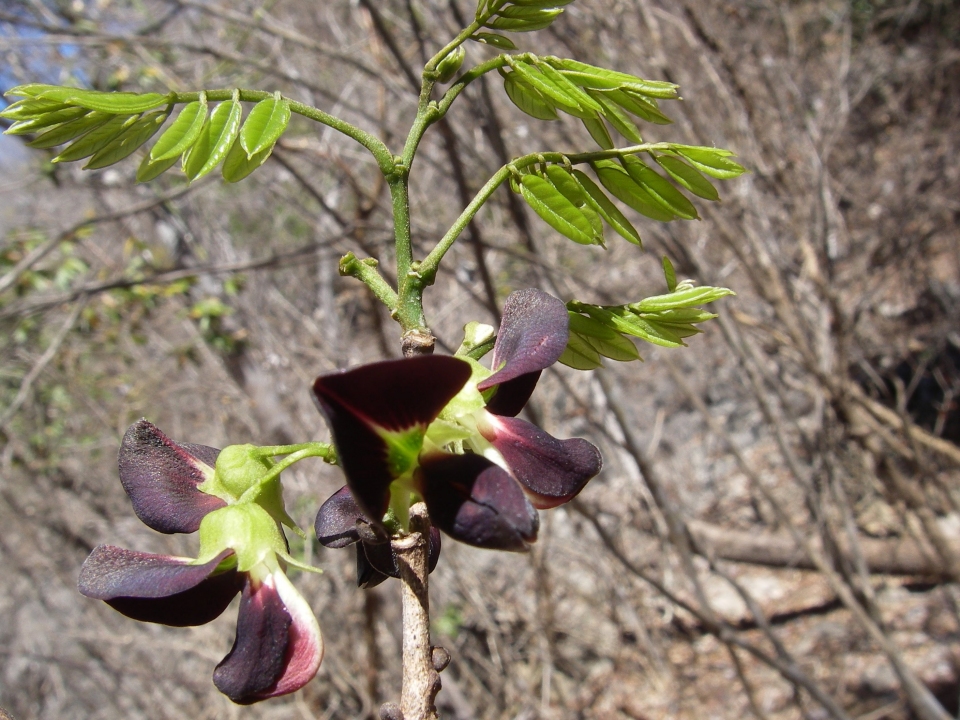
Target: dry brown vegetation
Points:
x,y
776,533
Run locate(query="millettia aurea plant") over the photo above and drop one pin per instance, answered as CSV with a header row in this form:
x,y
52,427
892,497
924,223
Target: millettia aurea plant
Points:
x,y
425,443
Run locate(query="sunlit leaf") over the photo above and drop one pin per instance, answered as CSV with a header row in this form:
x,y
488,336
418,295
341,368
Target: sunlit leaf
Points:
x,y
711,161
69,131
682,299
556,210
509,24
96,139
605,340
644,108
498,41
237,165
571,90
619,184
660,189
611,214
128,141
527,98
216,139
264,125
548,89
30,108
25,127
617,117
116,103
688,177
183,132
571,190
591,76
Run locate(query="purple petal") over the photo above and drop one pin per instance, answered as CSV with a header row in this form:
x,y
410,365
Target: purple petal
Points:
x,y
551,471
533,335
476,502
337,520
278,647
161,478
367,575
395,395
158,588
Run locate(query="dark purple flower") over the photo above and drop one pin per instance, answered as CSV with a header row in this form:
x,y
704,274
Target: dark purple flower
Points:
x,y
443,429
278,647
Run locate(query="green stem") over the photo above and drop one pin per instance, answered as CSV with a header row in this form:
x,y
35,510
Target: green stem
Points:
x,y
376,147
366,272
269,451
315,450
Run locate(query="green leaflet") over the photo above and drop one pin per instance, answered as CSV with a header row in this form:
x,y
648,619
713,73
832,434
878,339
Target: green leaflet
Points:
x,y
579,96
681,299
580,354
624,321
553,93
571,190
591,76
669,274
607,210
598,131
558,212
69,131
542,3
527,98
603,339
264,125
115,103
182,133
660,189
688,177
616,180
643,108
617,117
150,169
128,141
25,127
96,139
237,165
30,108
711,161
215,141
498,41
680,316
509,24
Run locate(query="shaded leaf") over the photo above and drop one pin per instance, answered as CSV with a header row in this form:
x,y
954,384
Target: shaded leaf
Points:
x,y
115,103
149,169
618,118
237,166
30,108
598,131
128,142
660,189
498,41
264,125
606,209
527,98
556,95
616,180
32,125
183,132
642,107
558,212
69,131
688,177
711,161
96,139
530,24
580,355
669,273
603,339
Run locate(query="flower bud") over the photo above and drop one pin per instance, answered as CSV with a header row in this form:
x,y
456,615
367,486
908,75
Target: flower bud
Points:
x,y
448,67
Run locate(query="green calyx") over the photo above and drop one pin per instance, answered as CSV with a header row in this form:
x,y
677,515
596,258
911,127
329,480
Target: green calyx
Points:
x,y
248,530
238,468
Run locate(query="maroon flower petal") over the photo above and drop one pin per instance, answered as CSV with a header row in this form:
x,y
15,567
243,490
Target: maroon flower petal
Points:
x,y
161,478
551,471
367,575
533,335
394,396
158,588
337,520
278,647
255,661
476,502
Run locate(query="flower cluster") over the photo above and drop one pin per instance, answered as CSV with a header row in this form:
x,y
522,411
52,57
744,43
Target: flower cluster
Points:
x,y
444,429
234,503
439,429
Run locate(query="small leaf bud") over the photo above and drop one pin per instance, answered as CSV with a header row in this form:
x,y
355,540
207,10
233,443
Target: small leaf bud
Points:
x,y
448,67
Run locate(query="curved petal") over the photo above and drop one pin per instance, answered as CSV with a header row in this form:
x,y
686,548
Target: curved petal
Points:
x,y
337,519
278,647
533,335
375,413
158,588
161,478
551,471
476,502
367,575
